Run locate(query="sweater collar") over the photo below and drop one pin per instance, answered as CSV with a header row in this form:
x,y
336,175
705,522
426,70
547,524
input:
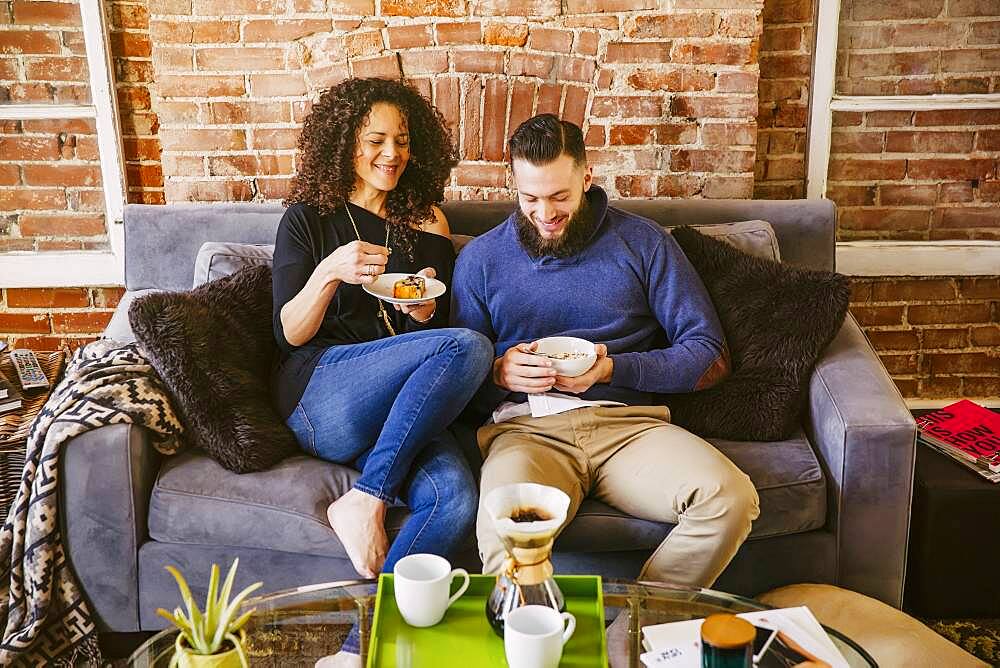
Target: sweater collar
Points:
x,y
599,205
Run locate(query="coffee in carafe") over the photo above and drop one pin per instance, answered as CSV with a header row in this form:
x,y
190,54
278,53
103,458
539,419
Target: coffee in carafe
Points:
x,y
529,515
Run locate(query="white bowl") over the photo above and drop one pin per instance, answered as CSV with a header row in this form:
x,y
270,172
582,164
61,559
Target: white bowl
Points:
x,y
582,351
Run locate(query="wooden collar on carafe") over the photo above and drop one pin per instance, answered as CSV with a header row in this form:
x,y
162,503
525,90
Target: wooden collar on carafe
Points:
x,y
528,574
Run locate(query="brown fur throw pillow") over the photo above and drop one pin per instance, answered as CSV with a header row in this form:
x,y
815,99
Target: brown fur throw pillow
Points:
x,y
777,320
213,348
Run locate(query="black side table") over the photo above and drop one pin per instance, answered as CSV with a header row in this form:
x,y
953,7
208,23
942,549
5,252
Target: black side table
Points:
x,y
954,541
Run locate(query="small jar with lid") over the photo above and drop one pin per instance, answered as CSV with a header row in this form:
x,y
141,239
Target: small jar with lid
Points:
x,y
727,642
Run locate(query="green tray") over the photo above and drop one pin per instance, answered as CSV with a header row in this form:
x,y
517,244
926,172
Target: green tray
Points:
x,y
464,638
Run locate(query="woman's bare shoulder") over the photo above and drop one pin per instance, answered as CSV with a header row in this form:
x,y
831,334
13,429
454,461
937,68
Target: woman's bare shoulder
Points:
x,y
438,224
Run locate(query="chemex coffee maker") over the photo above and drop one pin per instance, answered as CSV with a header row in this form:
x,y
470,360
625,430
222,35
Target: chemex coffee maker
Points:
x,y
527,517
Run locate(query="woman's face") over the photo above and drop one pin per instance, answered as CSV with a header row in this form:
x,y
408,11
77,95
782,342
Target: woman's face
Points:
x,y
383,148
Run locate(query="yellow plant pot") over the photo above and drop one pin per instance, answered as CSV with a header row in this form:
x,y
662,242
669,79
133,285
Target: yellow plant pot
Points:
x,y
186,658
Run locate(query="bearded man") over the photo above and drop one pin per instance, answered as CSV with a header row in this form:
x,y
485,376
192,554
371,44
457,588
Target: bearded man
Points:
x,y
567,264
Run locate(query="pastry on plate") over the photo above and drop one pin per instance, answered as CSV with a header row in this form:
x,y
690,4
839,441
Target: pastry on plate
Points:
x,y
411,287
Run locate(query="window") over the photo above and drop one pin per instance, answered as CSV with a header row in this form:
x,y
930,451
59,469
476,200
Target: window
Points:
x,y
885,258
81,268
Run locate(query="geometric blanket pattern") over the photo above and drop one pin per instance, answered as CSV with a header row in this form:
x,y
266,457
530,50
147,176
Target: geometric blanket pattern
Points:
x,y
44,615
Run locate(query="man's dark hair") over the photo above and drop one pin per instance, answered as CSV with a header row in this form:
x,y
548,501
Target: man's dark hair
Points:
x,y
543,138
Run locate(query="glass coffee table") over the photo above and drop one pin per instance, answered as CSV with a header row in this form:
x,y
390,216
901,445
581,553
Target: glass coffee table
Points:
x,y
299,626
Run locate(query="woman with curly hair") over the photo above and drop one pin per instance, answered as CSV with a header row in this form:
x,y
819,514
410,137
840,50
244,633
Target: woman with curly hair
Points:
x,y
360,383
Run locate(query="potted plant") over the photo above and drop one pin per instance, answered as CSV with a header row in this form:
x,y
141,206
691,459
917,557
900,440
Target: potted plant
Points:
x,y
213,638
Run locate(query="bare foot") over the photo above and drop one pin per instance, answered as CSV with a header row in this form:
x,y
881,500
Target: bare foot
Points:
x,y
340,660
358,519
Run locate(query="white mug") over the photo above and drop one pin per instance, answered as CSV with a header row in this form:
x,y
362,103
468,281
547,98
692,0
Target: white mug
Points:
x,y
534,635
422,583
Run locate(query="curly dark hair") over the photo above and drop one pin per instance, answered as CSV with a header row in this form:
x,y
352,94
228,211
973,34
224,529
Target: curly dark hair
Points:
x,y
328,144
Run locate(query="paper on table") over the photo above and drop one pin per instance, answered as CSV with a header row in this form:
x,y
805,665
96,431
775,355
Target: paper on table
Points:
x,y
677,644
672,657
685,637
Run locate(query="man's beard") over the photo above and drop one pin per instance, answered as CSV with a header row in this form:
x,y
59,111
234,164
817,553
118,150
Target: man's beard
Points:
x,y
575,237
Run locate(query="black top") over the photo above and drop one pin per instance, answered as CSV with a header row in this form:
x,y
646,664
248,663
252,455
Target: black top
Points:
x,y
304,239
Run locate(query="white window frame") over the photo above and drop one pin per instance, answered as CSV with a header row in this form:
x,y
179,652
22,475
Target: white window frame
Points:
x,y
883,258
37,269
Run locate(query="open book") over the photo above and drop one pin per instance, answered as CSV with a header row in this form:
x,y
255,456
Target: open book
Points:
x,y
785,637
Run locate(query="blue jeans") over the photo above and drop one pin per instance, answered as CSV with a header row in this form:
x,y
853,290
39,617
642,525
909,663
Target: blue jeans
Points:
x,y
383,407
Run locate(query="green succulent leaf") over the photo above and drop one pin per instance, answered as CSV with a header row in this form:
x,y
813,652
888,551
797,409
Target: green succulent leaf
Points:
x,y
211,604
241,622
177,619
227,586
169,615
193,612
239,649
233,606
205,632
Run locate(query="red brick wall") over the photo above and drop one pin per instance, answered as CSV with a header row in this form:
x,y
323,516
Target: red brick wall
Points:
x,y
50,195
42,56
666,100
917,47
53,318
938,337
131,51
785,56
916,174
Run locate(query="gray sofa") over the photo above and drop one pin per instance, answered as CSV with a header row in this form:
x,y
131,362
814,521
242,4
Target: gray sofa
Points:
x,y
835,498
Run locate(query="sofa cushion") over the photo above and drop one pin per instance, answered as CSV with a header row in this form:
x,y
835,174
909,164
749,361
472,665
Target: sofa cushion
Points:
x,y
197,501
119,329
284,508
777,321
213,347
217,259
753,237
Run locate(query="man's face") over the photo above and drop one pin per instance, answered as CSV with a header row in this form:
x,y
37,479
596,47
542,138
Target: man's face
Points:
x,y
549,195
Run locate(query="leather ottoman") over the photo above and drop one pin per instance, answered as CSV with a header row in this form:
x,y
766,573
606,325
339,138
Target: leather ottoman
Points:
x,y
893,638
954,541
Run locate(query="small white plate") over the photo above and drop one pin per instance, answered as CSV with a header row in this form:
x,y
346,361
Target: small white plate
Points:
x,y
382,288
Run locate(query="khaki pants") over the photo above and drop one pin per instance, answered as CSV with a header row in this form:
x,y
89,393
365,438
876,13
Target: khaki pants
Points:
x,y
632,458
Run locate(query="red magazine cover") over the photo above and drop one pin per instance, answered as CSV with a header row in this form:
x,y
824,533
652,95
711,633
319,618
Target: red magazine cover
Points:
x,y
966,428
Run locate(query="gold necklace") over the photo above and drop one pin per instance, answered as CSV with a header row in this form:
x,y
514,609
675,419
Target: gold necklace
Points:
x,y
381,309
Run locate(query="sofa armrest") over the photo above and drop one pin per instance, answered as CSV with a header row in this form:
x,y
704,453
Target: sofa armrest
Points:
x,y
865,438
106,478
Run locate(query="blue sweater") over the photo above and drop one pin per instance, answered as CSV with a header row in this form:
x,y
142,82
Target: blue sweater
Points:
x,y
631,288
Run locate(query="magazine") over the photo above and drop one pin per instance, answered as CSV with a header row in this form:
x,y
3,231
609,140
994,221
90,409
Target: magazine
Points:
x,y
785,637
966,432
10,396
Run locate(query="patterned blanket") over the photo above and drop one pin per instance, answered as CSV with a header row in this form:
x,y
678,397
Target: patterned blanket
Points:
x,y
45,618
